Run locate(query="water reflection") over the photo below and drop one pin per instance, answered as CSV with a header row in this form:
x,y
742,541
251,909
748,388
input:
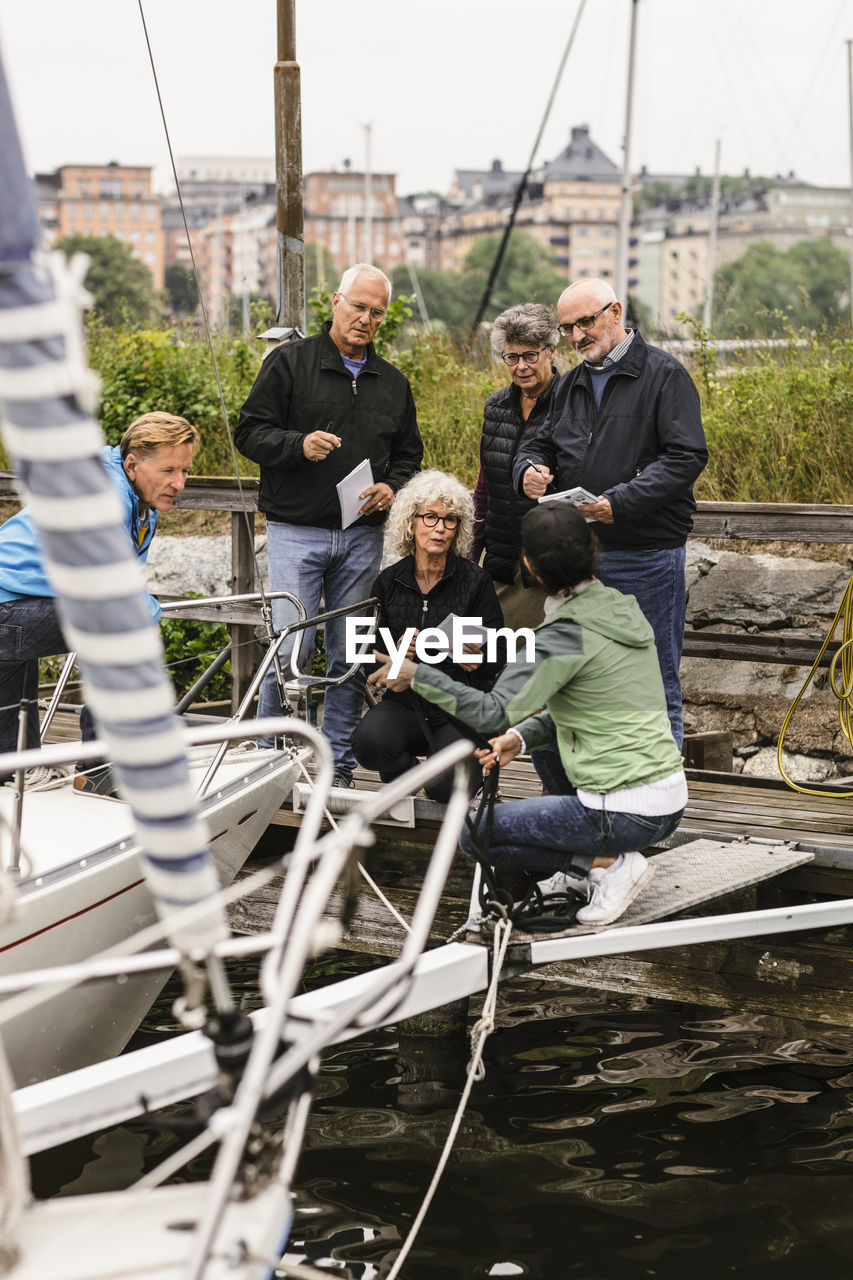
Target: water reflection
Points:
x,y
614,1138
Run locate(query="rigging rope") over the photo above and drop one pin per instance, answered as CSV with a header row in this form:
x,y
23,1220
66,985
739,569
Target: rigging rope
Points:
x,y
480,1032
266,606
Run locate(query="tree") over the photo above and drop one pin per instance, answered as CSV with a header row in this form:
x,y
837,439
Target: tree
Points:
x,y
767,288
182,289
120,283
527,274
320,269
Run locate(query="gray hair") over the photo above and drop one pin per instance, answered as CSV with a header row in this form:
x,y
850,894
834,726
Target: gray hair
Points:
x,y
367,269
430,486
532,323
602,290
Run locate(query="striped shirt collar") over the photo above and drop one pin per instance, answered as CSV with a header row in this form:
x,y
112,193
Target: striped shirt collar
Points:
x,y
616,354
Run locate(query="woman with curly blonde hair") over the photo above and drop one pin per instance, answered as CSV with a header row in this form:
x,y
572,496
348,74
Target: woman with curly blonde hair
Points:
x,y
430,529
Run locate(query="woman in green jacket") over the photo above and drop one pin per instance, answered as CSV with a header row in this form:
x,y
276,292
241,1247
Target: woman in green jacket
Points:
x,y
595,692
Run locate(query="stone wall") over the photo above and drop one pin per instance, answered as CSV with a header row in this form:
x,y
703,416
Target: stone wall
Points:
x,y
762,594
728,591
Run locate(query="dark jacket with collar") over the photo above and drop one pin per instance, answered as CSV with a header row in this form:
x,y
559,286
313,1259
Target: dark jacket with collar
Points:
x,y
305,386
642,448
464,589
504,432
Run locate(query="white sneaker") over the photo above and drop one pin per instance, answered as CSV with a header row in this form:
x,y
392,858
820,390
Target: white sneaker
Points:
x,y
564,882
612,889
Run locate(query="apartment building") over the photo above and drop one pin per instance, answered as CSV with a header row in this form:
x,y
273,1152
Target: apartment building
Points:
x,y
672,240
100,200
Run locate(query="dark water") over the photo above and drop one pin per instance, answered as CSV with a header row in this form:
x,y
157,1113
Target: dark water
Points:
x,y
612,1137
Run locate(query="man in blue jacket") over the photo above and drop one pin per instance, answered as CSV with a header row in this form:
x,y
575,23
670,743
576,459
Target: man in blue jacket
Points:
x,y
149,468
625,424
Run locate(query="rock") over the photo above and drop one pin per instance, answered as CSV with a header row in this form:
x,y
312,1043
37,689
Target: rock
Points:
x,y
193,565
764,764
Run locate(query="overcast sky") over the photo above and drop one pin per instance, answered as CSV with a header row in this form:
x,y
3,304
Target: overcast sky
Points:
x,y
445,83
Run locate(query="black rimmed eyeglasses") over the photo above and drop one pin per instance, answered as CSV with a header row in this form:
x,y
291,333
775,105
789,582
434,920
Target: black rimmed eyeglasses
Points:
x,y
512,358
585,322
431,519
375,313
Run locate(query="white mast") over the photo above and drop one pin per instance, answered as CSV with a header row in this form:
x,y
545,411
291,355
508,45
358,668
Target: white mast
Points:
x,y
368,195
708,309
625,205
850,228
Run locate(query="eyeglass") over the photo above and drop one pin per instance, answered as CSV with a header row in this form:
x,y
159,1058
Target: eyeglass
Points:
x,y
430,519
376,313
585,322
529,357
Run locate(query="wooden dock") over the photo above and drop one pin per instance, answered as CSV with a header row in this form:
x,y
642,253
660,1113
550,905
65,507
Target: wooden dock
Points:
x,y
808,976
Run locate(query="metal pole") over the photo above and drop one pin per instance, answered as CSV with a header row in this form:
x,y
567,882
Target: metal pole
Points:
x,y
850,99
625,204
708,309
288,173
368,194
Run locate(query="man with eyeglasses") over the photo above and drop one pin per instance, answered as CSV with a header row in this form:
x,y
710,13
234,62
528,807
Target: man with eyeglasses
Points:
x,y
319,406
626,425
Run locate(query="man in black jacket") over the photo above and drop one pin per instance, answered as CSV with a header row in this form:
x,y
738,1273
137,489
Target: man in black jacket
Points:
x,y
318,408
625,424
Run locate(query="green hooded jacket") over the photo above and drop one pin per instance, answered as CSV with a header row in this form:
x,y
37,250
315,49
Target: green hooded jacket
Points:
x,y
595,687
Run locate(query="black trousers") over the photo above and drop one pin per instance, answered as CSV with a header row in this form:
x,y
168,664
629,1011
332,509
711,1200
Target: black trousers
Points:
x,y
391,737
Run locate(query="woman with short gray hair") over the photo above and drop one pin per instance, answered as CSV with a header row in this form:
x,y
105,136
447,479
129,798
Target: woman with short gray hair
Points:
x,y
525,339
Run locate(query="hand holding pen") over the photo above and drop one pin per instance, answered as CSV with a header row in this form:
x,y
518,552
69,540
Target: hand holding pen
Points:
x,y
536,479
317,445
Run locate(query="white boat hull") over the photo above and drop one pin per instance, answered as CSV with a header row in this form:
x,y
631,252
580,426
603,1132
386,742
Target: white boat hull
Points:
x,y
97,898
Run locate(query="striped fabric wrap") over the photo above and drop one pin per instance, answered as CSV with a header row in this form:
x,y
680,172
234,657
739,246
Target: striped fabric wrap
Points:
x,y
47,396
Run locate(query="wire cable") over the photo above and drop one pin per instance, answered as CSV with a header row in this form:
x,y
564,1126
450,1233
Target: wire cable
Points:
x,y
844,693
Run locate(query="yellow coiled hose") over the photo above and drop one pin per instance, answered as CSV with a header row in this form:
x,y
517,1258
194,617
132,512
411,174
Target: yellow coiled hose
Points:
x,y
842,661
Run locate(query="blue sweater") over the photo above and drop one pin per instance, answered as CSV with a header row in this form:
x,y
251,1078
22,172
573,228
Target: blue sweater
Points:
x,y
22,570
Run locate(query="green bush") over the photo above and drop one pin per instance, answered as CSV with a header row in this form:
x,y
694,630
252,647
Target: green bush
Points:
x,y
190,647
779,421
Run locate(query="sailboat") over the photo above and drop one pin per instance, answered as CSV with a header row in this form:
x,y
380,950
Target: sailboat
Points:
x,y
83,872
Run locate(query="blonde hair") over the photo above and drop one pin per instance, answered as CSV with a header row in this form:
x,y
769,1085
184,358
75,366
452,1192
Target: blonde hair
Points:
x,y
430,486
153,431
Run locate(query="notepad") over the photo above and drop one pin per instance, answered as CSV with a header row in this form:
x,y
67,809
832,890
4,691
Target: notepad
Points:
x,y
350,490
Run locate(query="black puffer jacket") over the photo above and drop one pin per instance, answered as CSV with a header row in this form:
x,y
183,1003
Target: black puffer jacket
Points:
x,y
464,589
642,448
305,386
504,432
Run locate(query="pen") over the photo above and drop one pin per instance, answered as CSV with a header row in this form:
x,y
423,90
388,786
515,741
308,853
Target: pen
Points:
x,y
534,466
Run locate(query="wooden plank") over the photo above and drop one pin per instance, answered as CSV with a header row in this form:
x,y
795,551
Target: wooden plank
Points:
x,y
245,652
740,647
774,522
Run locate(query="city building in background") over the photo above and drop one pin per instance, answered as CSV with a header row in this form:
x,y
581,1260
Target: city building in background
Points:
x,y
100,200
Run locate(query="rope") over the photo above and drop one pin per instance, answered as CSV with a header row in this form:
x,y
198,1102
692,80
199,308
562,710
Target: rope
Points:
x,y
365,875
844,693
266,605
480,1032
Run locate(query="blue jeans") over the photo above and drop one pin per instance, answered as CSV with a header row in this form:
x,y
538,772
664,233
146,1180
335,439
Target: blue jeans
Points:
x,y
557,833
29,630
656,579
341,566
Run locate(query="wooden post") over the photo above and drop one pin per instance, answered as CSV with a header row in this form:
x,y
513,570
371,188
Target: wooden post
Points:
x,y
288,173
244,652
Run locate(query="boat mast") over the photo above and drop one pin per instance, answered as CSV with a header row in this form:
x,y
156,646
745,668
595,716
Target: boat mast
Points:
x,y
625,204
288,173
708,309
850,99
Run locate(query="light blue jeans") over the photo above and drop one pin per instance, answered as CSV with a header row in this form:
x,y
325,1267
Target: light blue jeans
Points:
x,y
339,565
656,579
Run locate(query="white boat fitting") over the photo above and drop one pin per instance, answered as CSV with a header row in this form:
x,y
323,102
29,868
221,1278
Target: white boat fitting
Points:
x,y
83,890
236,1223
